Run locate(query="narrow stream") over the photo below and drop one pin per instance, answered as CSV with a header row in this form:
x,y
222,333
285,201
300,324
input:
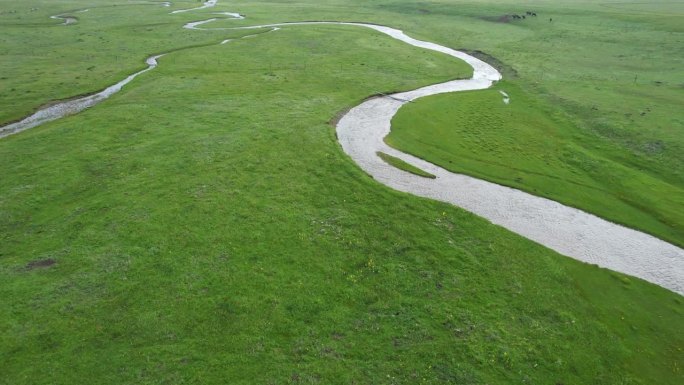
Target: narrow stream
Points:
x,y
70,107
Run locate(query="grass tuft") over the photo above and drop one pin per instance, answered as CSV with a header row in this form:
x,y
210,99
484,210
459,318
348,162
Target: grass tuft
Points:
x,y
400,164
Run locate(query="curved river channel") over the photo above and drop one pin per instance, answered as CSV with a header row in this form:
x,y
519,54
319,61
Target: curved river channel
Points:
x,y
361,131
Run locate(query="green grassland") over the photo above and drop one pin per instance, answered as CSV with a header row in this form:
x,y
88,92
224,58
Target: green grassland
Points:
x,y
527,146
204,226
595,123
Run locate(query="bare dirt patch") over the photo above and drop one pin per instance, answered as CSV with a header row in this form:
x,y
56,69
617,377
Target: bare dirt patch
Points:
x,y
40,264
505,69
499,19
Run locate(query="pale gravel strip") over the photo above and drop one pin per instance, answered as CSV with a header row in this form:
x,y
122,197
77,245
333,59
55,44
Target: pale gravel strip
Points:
x,y
233,15
68,20
71,107
566,230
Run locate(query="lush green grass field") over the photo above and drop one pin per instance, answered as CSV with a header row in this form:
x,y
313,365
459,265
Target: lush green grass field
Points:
x,y
595,120
527,146
204,226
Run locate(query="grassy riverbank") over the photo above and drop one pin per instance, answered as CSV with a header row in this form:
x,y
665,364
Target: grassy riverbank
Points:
x,y
204,226
527,146
595,119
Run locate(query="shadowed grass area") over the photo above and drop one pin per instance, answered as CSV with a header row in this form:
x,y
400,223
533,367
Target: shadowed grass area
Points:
x,y
400,164
204,226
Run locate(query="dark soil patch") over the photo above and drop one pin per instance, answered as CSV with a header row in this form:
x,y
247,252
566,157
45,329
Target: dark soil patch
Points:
x,y
41,263
499,19
507,71
336,119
